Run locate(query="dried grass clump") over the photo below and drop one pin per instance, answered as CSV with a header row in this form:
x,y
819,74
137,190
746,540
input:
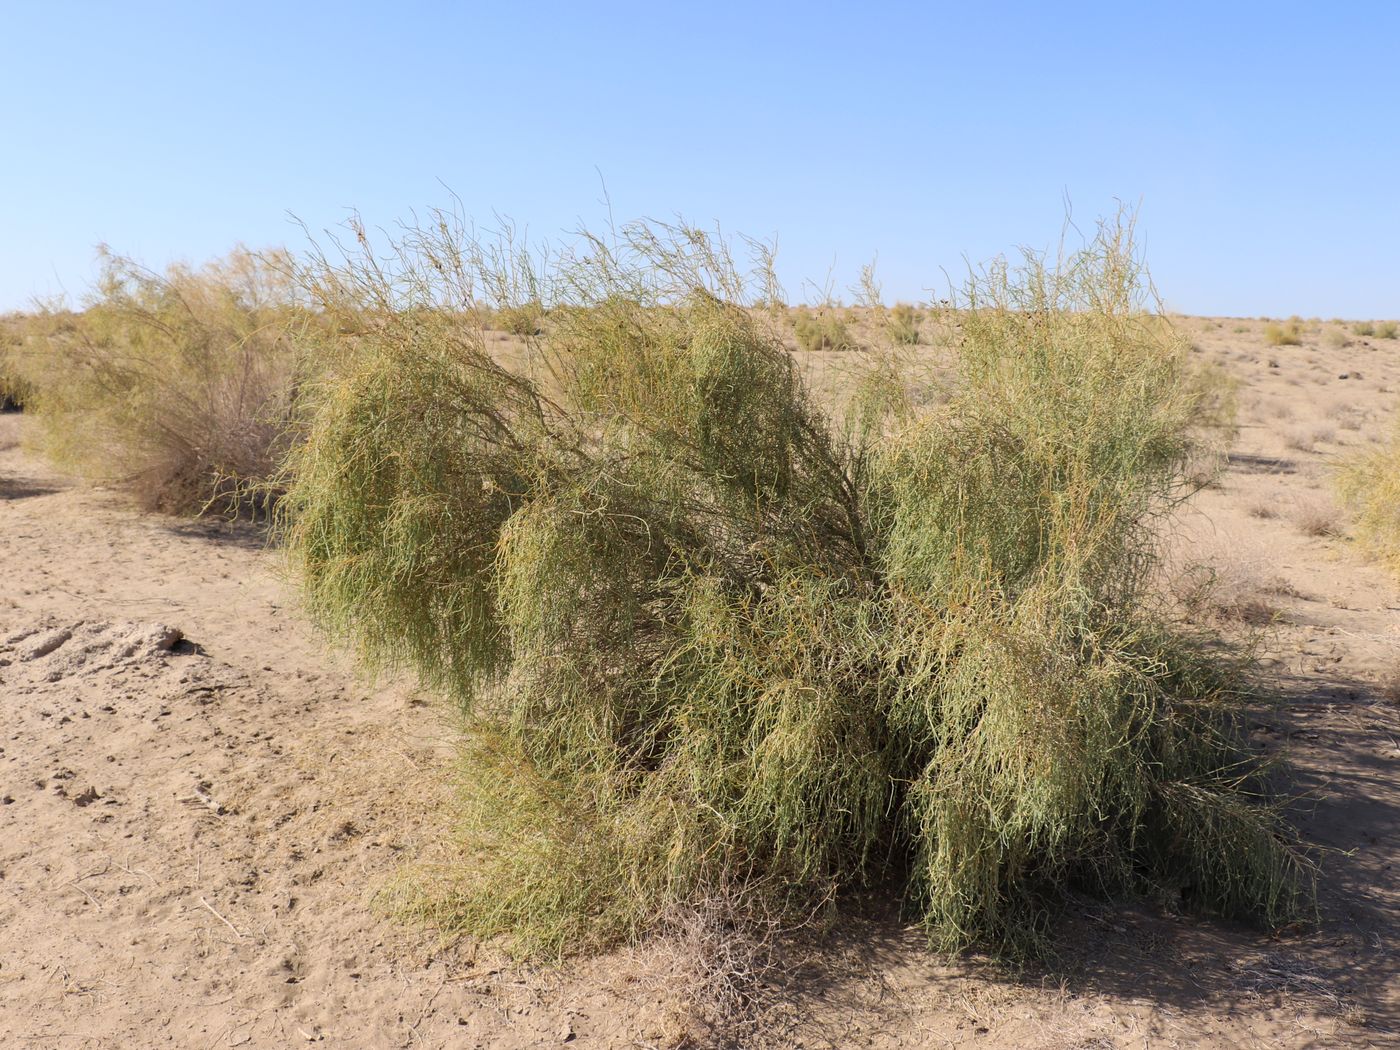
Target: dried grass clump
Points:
x,y
1289,333
822,330
1317,517
15,390
1336,339
179,386
1369,483
526,319
714,642
902,324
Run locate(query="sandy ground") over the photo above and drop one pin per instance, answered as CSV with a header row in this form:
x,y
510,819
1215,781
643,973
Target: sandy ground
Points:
x,y
199,804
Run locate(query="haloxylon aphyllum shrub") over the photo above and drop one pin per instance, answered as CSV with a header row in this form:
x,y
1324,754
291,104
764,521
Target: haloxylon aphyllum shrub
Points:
x,y
715,639
15,333
180,386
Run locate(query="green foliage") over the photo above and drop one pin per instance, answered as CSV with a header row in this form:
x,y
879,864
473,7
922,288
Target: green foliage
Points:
x,y
708,643
179,386
822,330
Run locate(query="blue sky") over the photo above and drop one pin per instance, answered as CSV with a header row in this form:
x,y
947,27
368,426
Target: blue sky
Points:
x,y
1261,140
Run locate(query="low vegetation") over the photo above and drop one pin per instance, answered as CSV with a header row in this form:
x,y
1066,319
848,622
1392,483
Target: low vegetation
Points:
x,y
180,386
1378,329
821,330
14,337
1290,333
714,641
523,320
1369,482
902,324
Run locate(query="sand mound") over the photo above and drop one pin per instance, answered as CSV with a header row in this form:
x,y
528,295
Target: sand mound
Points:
x,y
87,647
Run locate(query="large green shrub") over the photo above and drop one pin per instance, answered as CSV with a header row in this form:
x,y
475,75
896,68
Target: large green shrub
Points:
x,y
711,642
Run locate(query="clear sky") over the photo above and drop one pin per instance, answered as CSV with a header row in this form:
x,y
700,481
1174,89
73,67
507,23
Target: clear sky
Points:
x,y
1262,140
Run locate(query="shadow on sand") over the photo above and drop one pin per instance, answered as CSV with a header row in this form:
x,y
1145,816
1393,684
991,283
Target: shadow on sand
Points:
x,y
1339,739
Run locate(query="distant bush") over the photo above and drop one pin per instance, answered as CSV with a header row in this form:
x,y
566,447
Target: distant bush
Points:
x,y
822,330
1387,330
712,645
1364,328
179,386
1287,334
523,320
902,324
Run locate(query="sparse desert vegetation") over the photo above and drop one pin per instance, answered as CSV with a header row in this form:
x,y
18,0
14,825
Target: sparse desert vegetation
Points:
x,y
526,319
821,329
1336,338
903,324
737,641
1289,333
1377,329
1369,482
883,615
719,641
180,386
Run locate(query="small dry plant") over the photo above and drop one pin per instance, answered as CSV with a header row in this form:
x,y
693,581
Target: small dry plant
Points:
x,y
1318,517
822,329
1223,580
524,320
902,324
1369,483
1290,333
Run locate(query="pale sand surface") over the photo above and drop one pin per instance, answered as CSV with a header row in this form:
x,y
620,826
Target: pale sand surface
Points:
x,y
191,838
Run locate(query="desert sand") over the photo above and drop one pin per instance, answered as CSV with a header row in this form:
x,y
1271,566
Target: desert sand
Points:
x,y
202,803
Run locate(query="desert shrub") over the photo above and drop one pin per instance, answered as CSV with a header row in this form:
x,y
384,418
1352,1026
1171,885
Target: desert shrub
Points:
x,y
1364,328
1287,334
1387,330
902,324
1369,483
712,644
179,386
15,333
822,330
1317,517
526,319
